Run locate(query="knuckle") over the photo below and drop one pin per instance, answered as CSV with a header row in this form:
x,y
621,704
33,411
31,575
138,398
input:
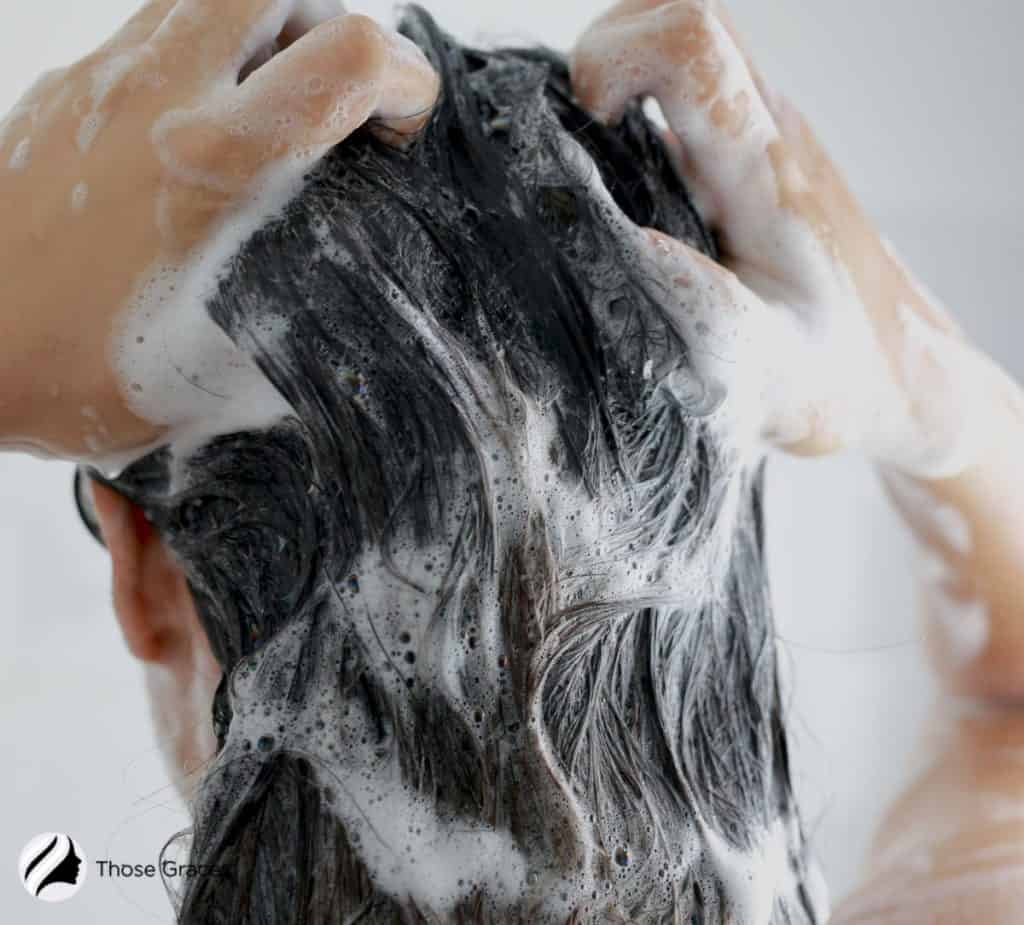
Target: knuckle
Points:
x,y
121,95
188,140
80,71
365,44
51,80
689,28
693,10
583,65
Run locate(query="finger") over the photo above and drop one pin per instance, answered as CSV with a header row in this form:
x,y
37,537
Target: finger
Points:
x,y
705,300
338,76
792,126
15,133
627,8
141,25
310,97
605,86
306,16
751,351
744,173
729,24
790,123
222,36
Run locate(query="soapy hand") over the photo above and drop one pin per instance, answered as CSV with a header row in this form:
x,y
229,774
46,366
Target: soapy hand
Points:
x,y
131,160
823,336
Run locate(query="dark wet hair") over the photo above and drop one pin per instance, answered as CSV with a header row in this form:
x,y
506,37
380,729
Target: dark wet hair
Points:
x,y
432,308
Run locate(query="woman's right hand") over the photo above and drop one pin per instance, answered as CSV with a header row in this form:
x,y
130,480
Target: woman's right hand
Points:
x,y
824,338
128,162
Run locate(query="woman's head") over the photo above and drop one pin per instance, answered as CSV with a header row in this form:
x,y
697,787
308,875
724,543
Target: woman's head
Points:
x,y
487,614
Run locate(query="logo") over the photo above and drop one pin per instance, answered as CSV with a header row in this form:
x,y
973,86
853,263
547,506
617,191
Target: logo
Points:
x,y
52,867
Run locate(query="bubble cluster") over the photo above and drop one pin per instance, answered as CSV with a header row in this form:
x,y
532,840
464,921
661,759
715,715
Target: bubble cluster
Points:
x,y
417,684
20,155
79,197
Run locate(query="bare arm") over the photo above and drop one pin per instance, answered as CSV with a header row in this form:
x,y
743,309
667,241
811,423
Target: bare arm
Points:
x,y
951,849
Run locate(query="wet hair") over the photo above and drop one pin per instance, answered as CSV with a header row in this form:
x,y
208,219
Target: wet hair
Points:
x,y
491,604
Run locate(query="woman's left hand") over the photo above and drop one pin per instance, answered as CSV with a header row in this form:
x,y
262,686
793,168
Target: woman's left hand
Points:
x,y
822,334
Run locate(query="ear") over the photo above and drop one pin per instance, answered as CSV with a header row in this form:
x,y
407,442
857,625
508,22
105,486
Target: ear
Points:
x,y
151,596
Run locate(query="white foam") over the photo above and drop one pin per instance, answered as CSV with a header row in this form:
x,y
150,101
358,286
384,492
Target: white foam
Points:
x,y
104,77
410,851
934,521
88,130
944,538
79,196
964,622
20,156
752,880
182,372
178,369
776,353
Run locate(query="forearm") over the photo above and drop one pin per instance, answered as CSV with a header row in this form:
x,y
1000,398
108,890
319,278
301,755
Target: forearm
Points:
x,y
971,531
951,849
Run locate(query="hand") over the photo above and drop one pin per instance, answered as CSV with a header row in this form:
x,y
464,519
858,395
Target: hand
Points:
x,y
823,337
116,172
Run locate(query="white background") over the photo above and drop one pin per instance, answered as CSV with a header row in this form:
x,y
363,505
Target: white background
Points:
x,y
919,102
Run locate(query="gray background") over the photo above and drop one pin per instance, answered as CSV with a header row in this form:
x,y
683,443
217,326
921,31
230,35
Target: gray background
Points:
x,y
919,102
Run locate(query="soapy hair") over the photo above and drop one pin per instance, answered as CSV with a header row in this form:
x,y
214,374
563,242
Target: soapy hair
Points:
x,y
491,604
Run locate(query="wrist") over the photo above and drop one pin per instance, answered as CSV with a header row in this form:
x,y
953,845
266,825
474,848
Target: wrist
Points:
x,y
951,404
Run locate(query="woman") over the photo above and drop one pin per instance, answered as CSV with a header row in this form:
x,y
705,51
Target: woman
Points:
x,y
461,518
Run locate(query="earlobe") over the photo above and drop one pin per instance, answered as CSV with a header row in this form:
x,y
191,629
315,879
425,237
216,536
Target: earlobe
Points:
x,y
149,587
